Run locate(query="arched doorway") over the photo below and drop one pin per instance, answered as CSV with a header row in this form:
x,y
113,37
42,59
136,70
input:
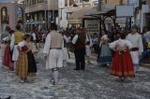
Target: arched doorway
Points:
x,y
4,19
20,16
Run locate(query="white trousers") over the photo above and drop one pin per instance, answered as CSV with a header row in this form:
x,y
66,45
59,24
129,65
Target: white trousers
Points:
x,y
135,59
55,59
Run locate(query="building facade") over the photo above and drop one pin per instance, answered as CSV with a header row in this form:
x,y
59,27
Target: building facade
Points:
x,y
67,7
40,13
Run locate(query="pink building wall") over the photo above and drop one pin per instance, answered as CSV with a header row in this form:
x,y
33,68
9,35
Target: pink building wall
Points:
x,y
12,9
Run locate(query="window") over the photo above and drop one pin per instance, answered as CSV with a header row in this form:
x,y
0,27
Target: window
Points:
x,y
20,15
4,16
40,1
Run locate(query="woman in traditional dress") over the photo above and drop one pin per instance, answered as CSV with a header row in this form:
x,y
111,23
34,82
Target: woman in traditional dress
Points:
x,y
122,65
26,63
3,47
104,55
7,53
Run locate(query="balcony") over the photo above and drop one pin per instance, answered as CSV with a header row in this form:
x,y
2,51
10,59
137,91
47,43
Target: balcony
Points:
x,y
51,5
36,7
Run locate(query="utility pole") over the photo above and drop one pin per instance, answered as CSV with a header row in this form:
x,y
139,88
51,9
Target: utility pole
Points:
x,y
99,5
45,14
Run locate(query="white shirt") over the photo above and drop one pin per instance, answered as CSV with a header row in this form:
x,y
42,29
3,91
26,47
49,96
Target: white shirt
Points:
x,y
121,43
136,41
67,39
47,44
12,41
34,36
75,38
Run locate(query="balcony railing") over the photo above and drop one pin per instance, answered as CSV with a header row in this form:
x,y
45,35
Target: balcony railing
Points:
x,y
42,6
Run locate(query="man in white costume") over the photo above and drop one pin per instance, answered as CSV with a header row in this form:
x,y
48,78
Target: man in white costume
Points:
x,y
88,47
53,52
137,46
15,39
65,51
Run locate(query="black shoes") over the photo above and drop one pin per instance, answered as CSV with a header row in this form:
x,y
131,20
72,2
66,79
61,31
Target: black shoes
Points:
x,y
78,69
6,98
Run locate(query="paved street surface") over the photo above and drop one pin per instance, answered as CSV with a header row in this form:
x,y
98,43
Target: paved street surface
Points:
x,y
93,83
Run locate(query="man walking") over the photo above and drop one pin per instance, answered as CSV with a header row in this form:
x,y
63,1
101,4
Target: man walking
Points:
x,y
79,42
53,52
137,46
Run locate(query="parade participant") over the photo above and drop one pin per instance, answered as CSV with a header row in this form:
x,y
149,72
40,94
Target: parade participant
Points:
x,y
104,55
15,39
122,65
3,46
135,38
88,48
26,65
4,43
34,45
7,53
65,50
53,52
79,41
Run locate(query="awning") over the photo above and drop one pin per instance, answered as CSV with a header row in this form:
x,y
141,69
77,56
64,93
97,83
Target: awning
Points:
x,y
79,14
75,21
105,10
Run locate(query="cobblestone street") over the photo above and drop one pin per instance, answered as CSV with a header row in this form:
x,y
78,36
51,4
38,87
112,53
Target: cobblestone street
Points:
x,y
93,83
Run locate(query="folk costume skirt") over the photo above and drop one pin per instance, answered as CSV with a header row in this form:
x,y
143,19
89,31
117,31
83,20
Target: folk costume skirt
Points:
x,y
104,55
22,65
7,58
122,65
32,68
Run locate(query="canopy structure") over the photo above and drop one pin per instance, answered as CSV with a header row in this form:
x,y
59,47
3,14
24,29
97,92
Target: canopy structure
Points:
x,y
107,12
77,16
6,1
